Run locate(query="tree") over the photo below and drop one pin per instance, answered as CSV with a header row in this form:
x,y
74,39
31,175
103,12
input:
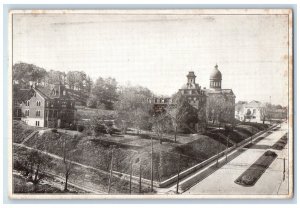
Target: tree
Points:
x,y
160,124
105,92
35,164
23,73
133,108
220,109
69,151
55,77
92,101
79,81
178,111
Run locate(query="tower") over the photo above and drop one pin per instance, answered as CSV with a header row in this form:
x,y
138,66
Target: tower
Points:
x,y
191,78
215,79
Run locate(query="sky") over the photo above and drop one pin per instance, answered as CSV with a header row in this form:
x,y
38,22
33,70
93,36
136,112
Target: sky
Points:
x,y
158,51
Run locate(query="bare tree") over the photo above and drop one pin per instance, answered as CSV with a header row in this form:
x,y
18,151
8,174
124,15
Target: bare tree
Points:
x,y
69,151
220,109
36,164
178,110
132,107
160,124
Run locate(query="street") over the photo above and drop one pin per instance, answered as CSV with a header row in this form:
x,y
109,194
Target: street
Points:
x,y
271,182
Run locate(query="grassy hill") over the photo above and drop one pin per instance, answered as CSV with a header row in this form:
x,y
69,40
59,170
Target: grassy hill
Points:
x,y
21,130
131,149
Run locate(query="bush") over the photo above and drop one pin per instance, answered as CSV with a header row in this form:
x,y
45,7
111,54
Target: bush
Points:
x,y
54,130
80,128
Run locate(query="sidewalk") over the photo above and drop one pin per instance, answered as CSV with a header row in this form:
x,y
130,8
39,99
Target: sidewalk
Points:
x,y
222,180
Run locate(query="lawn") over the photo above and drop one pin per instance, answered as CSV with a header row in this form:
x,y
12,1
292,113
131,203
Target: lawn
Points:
x,y
256,170
132,148
21,130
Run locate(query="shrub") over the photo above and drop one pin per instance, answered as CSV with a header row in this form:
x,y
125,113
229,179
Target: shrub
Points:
x,y
80,128
255,171
54,130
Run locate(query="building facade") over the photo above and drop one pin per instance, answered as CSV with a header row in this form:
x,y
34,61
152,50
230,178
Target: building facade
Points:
x,y
252,112
49,106
213,104
220,102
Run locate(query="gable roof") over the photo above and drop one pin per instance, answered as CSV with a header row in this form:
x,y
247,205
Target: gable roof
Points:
x,y
48,91
254,104
20,94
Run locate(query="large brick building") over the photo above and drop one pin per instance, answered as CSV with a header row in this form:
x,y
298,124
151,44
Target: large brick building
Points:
x,y
212,103
48,106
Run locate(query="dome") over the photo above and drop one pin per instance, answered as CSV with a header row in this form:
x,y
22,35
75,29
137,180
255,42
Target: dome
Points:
x,y
216,74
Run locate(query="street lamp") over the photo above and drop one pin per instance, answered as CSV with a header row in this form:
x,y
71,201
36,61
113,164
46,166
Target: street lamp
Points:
x,y
111,168
178,174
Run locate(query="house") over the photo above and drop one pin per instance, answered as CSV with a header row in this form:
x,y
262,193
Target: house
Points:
x,y
159,104
17,101
48,106
253,111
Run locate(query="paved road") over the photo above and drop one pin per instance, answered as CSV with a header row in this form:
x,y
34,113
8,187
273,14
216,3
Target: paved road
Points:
x,y
271,182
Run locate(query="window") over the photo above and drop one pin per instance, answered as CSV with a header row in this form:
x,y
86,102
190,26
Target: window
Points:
x,y
50,114
38,113
38,103
37,123
26,112
27,103
55,114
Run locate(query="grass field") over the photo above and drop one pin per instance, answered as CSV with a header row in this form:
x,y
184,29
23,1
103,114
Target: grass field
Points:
x,y
21,130
133,149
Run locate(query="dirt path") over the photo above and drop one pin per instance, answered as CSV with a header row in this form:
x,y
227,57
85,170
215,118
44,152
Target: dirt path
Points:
x,y
30,136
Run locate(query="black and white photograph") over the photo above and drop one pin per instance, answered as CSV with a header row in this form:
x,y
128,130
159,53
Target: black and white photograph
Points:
x,y
151,104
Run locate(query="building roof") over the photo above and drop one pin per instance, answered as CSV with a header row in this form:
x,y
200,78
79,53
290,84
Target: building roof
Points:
x,y
221,91
19,94
254,104
53,91
190,86
215,74
191,74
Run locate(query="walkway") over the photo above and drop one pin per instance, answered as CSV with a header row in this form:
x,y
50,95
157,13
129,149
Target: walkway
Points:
x,y
271,182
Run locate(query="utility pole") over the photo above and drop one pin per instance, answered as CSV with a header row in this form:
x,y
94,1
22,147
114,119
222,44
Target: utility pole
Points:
x,y
283,169
130,179
178,173
218,151
226,147
252,134
151,164
111,167
140,179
